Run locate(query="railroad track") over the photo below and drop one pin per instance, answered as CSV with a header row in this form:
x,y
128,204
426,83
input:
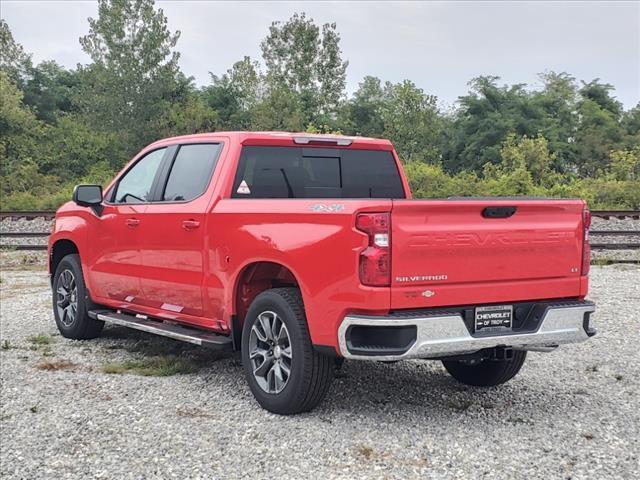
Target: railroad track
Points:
x,y
605,214
594,244
620,214
49,214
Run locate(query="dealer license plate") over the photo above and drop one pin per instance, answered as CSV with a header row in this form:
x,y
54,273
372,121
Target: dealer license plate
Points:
x,y
496,318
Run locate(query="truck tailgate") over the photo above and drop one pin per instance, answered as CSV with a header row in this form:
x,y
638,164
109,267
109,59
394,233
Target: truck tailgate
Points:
x,y
454,252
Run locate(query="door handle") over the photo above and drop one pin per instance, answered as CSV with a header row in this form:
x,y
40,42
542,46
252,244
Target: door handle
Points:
x,y
190,224
132,222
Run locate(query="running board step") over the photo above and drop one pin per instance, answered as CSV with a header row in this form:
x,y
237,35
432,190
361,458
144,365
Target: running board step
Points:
x,y
177,332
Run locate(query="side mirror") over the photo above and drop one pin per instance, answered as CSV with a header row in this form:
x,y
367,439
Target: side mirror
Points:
x,y
88,196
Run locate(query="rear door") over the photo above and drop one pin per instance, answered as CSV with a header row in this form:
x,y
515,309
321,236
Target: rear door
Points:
x,y
172,233
457,252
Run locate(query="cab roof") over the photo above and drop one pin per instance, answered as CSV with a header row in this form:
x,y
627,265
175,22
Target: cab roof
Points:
x,y
284,139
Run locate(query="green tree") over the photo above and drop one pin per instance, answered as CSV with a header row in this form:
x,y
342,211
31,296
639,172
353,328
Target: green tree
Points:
x,y
134,77
484,119
279,110
21,132
631,126
625,164
305,60
74,147
235,94
530,154
193,115
411,121
600,129
50,90
14,62
558,100
362,114
22,147
431,181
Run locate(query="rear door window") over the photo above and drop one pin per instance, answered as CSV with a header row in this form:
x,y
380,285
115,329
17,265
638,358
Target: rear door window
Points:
x,y
191,172
294,172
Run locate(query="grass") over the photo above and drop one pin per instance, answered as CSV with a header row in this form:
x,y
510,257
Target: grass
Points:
x,y
55,365
41,339
28,259
365,451
34,409
153,366
6,345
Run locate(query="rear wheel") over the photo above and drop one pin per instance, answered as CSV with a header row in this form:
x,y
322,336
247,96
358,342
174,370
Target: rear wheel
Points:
x,y
71,301
485,372
285,374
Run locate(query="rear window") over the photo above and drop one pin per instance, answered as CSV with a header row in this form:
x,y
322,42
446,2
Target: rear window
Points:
x,y
298,172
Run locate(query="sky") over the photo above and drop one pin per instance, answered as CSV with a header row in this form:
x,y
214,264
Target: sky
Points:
x,y
440,46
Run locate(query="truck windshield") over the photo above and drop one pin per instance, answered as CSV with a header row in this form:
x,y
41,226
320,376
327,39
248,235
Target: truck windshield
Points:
x,y
299,172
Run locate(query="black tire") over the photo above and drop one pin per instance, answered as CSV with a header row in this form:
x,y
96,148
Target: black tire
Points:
x,y
81,326
487,372
310,371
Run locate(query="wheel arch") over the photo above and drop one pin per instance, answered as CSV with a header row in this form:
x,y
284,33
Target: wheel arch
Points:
x,y
60,249
253,279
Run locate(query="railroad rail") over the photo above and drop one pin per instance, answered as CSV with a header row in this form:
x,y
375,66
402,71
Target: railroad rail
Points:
x,y
605,214
24,234
620,214
615,246
49,214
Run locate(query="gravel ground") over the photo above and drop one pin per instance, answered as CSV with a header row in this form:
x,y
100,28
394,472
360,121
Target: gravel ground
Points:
x,y
573,413
39,224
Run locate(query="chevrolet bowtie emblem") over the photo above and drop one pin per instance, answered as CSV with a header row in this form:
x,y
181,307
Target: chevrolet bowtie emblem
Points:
x,y
428,293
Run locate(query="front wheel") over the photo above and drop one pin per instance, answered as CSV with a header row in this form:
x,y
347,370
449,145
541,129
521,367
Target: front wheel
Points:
x,y
71,302
286,375
485,372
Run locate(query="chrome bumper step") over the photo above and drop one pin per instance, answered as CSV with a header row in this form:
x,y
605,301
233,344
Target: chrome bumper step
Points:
x,y
177,332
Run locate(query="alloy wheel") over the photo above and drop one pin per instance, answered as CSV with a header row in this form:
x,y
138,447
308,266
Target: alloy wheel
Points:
x,y
270,352
67,298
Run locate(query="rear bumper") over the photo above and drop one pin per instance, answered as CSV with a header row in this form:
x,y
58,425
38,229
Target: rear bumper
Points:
x,y
439,333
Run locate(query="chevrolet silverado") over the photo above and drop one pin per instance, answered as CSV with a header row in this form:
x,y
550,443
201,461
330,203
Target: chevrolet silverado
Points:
x,y
299,250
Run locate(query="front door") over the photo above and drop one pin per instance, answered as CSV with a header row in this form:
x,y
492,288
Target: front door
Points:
x,y
114,239
172,236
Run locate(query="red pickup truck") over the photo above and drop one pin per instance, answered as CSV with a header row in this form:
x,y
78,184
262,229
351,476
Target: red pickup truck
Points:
x,y
301,250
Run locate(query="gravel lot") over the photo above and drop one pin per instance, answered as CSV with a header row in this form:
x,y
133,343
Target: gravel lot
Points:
x,y
573,413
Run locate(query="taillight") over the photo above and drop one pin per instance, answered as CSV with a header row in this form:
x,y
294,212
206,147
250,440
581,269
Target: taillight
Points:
x,y
586,248
375,260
